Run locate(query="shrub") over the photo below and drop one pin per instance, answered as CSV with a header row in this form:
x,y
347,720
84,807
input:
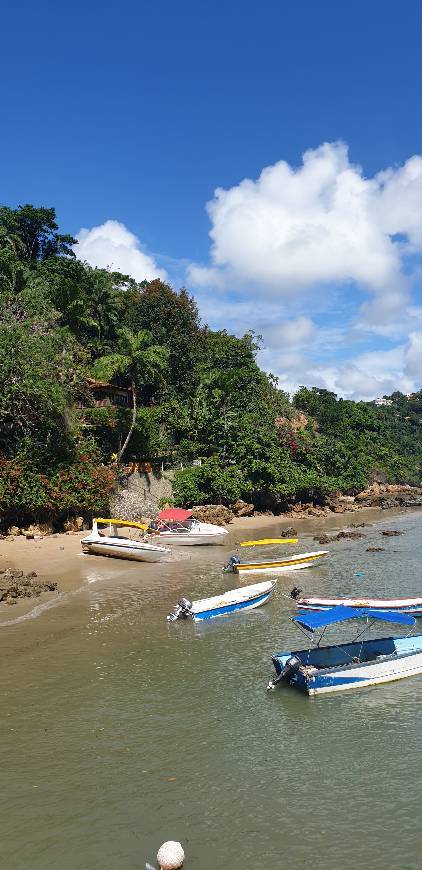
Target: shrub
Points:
x,y
209,483
83,486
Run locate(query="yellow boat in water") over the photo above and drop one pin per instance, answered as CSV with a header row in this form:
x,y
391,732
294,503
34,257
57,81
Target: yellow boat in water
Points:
x,y
265,541
274,566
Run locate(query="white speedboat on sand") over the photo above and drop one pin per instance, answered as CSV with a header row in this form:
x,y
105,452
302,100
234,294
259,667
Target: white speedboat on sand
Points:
x,y
118,546
178,526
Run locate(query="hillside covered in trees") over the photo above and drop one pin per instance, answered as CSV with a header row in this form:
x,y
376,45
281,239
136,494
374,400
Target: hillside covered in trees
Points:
x,y
193,394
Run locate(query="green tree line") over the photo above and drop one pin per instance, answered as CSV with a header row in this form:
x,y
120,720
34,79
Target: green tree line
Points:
x,y
196,394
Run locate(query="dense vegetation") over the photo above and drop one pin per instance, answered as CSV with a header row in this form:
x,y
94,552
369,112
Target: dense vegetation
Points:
x,y
198,394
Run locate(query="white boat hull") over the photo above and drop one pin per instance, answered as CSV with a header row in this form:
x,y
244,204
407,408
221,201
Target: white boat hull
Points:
x,y
365,663
372,675
293,563
233,601
401,605
199,535
124,549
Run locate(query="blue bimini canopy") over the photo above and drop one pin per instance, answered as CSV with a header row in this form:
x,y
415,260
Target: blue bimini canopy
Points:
x,y
315,619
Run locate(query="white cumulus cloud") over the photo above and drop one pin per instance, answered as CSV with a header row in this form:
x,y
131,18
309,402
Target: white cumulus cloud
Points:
x,y
413,357
321,223
289,333
113,246
365,376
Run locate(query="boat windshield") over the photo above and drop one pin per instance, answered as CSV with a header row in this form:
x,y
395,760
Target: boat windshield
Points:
x,y
176,526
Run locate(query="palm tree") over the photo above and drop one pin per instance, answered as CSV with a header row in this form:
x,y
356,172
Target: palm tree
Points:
x,y
137,359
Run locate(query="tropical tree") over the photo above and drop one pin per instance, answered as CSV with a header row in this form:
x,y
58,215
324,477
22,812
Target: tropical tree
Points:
x,y
33,233
137,360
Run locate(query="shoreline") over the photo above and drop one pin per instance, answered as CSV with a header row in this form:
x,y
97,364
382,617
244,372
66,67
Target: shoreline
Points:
x,y
59,557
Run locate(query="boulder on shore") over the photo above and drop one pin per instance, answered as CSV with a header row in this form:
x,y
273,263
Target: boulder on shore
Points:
x,y
242,508
217,514
13,531
290,532
75,524
323,539
352,535
15,584
391,533
390,495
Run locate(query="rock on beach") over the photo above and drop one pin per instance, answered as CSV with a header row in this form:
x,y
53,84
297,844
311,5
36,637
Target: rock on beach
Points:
x,y
15,584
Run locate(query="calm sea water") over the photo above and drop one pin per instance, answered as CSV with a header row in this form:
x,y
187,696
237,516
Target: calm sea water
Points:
x,y
119,731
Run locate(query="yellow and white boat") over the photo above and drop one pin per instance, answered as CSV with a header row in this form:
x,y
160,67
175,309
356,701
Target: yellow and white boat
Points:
x,y
119,546
275,566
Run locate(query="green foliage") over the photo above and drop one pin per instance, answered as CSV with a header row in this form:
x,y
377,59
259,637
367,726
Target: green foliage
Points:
x,y
197,394
207,483
172,319
82,485
137,359
38,368
357,439
32,233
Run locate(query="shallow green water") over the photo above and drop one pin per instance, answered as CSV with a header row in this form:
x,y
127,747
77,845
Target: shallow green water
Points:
x,y
119,731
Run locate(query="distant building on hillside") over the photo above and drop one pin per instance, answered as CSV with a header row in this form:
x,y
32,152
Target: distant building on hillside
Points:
x,y
108,394
382,401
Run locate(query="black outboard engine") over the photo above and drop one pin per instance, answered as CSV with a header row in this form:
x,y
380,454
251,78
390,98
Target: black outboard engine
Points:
x,y
234,560
295,592
292,664
182,610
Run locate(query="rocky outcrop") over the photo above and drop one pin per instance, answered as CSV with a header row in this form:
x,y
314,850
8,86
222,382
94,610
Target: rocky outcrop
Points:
x,y
325,539
213,513
391,533
76,524
390,495
242,508
339,503
16,584
33,531
142,494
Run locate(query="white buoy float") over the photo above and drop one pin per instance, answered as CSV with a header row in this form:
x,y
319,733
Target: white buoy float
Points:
x,y
170,855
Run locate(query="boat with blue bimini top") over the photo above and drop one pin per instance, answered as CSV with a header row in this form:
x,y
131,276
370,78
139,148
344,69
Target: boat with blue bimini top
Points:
x,y
398,605
233,601
319,669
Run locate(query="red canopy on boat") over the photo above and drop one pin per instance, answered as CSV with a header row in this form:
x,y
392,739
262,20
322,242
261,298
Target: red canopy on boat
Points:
x,y
174,514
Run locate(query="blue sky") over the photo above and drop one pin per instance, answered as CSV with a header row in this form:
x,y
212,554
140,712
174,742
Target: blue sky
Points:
x,y
128,117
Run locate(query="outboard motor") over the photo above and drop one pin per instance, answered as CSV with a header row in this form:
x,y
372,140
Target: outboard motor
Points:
x,y
234,560
295,593
292,664
182,610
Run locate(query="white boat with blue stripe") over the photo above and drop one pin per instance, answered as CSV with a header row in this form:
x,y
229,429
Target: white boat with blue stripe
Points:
x,y
401,605
321,669
235,600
